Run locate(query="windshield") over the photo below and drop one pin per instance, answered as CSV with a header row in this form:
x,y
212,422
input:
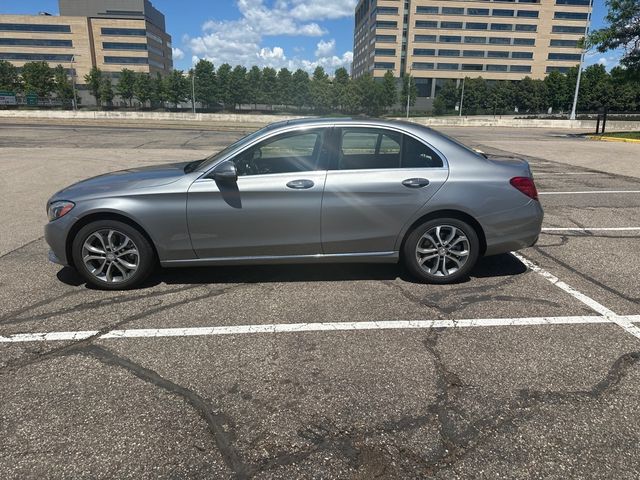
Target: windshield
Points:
x,y
217,156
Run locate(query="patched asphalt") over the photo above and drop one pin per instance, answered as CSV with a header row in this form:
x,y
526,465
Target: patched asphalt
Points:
x,y
544,401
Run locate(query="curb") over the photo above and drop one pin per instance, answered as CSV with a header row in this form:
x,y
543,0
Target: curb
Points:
x,y
612,139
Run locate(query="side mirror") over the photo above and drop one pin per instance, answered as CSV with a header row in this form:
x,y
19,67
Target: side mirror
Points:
x,y
225,172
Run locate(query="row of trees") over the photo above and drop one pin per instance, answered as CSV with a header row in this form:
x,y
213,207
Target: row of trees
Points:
x,y
227,87
230,87
38,78
617,91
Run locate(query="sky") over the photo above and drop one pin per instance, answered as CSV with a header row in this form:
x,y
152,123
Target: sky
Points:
x,y
276,33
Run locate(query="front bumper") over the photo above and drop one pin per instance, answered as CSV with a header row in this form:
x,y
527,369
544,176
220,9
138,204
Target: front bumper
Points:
x,y
56,233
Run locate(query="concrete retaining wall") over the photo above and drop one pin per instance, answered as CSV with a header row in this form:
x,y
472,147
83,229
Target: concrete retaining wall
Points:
x,y
230,118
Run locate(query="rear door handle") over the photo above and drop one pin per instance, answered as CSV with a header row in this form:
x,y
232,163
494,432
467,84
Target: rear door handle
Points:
x,y
300,184
415,182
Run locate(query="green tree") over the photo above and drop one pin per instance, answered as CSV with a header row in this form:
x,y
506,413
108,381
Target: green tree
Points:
x,y
206,83
254,80
176,87
449,96
475,95
596,90
622,30
300,88
126,85
269,86
502,96
389,90
106,92
320,90
531,95
9,78
369,95
142,88
93,79
63,87
239,87
285,87
224,84
158,91
408,88
37,77
340,89
558,91
626,84
439,106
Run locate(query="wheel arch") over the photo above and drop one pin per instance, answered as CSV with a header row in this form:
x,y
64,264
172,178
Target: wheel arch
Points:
x,y
97,216
448,213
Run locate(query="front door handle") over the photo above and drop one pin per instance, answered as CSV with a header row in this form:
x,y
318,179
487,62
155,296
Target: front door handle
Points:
x,y
415,182
300,184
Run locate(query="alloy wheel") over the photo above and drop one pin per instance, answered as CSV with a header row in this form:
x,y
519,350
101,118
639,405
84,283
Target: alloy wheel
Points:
x,y
442,250
110,256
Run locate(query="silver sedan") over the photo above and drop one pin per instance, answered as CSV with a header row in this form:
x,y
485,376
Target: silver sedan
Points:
x,y
320,190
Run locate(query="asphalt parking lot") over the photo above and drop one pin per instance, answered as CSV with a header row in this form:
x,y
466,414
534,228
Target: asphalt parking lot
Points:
x,y
530,369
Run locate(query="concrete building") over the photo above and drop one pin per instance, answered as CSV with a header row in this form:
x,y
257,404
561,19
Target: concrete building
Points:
x,y
108,34
436,40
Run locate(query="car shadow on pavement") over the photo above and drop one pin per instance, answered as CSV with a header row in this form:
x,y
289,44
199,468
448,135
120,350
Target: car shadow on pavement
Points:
x,y
495,266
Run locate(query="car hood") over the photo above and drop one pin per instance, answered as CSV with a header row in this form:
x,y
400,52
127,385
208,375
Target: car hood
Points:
x,y
124,180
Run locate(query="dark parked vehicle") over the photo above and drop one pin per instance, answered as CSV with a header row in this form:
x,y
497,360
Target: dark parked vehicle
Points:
x,y
321,190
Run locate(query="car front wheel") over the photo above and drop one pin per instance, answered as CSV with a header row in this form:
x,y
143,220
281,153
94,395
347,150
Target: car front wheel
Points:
x,y
112,255
441,251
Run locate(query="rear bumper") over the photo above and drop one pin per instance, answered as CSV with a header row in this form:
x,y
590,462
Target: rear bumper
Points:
x,y
513,229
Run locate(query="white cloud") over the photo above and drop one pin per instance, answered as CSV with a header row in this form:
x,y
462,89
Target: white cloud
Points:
x,y
321,10
325,48
177,53
241,41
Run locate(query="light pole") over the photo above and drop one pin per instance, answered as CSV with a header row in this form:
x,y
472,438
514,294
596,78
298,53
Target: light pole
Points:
x,y
575,95
408,92
73,82
461,97
193,90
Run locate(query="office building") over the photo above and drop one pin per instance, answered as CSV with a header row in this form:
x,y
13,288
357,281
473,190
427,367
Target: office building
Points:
x,y
437,40
108,34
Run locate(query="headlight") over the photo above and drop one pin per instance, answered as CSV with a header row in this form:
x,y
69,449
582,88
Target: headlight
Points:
x,y
59,209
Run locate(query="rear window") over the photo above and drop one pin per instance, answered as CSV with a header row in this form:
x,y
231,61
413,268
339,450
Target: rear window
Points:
x,y
372,148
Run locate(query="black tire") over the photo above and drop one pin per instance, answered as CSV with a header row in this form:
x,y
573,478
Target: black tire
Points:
x,y
146,258
410,255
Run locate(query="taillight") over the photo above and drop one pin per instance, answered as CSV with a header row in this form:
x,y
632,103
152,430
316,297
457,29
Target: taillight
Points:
x,y
526,186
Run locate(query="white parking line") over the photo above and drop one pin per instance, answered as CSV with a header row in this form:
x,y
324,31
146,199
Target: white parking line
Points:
x,y
589,229
308,327
622,321
588,192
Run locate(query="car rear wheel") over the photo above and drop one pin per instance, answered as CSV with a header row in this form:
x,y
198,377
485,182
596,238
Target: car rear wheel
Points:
x,y
442,250
112,255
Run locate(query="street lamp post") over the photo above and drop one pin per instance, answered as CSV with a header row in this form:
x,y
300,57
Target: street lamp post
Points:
x,y
193,91
408,92
73,82
575,94
461,97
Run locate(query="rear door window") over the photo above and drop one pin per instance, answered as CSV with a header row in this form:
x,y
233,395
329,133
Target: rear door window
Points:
x,y
368,148
374,148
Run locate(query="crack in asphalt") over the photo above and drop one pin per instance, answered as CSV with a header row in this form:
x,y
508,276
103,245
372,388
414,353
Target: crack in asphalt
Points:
x,y
11,318
586,277
220,426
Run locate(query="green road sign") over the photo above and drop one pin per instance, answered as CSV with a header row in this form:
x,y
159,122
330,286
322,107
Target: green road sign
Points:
x,y
32,99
